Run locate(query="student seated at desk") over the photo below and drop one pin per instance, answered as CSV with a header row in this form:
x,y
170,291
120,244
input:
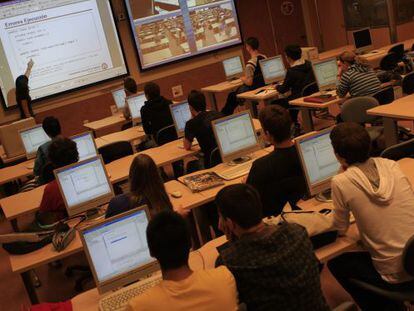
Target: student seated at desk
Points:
x,y
145,187
131,88
182,289
252,79
381,199
277,176
274,266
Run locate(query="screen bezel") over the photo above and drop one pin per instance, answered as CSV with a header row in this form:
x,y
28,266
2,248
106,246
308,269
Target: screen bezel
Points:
x,y
366,47
278,79
32,155
93,139
329,86
90,85
179,133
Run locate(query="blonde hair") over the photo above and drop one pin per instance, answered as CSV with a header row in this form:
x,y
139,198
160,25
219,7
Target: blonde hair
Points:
x,y
351,58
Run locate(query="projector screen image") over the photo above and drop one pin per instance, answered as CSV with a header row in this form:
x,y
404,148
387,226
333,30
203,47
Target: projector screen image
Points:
x,y
73,43
169,30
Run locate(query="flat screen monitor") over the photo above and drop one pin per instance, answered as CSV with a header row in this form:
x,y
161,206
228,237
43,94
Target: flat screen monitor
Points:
x,y
117,249
235,136
65,58
233,67
10,137
119,97
362,40
180,113
86,145
84,185
318,160
166,31
273,69
135,103
326,74
32,138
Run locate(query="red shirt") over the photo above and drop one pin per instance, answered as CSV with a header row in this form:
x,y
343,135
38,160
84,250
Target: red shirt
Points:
x,y
52,200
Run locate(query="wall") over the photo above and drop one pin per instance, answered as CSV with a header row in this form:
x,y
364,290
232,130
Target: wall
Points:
x,y
405,31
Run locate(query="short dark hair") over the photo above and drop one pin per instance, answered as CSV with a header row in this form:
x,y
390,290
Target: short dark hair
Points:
x,y
197,100
130,85
241,203
152,90
253,42
277,122
169,239
351,142
63,151
51,126
293,51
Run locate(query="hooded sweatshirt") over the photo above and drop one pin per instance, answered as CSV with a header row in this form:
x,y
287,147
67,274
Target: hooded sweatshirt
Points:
x,y
358,80
155,115
382,201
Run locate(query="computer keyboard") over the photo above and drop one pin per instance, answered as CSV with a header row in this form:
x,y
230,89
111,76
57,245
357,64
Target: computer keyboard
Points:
x,y
118,300
236,171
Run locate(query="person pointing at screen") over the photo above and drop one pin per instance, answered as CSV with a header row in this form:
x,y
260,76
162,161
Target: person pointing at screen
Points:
x,y
23,99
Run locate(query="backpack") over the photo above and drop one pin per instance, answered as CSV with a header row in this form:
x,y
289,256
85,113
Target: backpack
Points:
x,y
258,80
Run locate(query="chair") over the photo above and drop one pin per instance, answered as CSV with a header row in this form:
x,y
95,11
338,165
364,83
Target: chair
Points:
x,y
385,96
408,84
126,126
389,62
412,47
399,151
115,151
403,295
215,157
310,89
166,135
398,50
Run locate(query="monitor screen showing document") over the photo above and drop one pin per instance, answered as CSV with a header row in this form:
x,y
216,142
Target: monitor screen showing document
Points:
x,y
119,98
273,69
64,57
233,67
33,138
181,114
86,146
135,103
326,73
119,246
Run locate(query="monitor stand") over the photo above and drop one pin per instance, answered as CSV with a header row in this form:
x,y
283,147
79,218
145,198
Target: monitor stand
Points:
x,y
94,213
240,160
324,196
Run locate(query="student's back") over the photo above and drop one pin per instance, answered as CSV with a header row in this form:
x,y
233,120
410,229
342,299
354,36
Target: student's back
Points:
x,y
155,115
297,77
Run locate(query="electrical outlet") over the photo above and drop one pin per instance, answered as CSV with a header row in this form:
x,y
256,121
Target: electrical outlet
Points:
x,y
114,109
177,91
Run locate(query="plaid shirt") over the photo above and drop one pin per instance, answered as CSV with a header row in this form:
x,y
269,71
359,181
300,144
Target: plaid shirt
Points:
x,y
275,270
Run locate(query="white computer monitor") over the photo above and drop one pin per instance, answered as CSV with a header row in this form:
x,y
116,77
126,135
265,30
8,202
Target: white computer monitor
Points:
x,y
135,103
119,97
362,40
326,74
86,145
84,185
318,160
10,137
117,250
233,67
180,113
32,138
236,137
273,69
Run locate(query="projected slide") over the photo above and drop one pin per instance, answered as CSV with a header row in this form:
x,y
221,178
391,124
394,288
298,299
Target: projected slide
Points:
x,y
73,43
169,30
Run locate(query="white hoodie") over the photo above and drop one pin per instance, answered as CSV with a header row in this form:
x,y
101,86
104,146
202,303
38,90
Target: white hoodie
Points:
x,y
385,216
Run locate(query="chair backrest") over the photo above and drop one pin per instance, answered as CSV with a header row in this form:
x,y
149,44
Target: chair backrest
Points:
x,y
385,96
399,151
215,157
408,84
126,126
115,151
389,62
398,50
310,89
355,109
166,135
408,256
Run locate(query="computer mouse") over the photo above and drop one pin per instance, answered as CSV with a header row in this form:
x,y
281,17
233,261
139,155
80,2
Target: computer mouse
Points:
x,y
176,194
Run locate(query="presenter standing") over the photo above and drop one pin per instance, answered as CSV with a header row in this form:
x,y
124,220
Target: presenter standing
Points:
x,y
23,99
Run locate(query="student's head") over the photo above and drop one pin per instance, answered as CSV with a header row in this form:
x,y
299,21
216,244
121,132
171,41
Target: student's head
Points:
x,y
51,126
152,90
169,240
293,52
130,86
63,151
197,102
240,209
252,44
145,181
346,59
276,124
351,143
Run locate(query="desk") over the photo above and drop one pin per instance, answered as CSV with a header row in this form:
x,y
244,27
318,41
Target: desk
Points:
x,y
222,87
400,109
263,98
7,160
99,126
130,135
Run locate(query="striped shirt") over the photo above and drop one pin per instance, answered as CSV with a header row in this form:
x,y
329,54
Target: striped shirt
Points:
x,y
358,80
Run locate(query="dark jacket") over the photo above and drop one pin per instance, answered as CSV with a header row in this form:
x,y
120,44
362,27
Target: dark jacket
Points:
x,y
297,77
155,114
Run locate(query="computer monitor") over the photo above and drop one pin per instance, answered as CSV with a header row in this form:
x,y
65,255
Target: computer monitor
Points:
x,y
326,74
84,185
318,160
32,138
236,137
119,97
10,138
233,67
273,69
86,145
117,250
135,104
362,40
180,113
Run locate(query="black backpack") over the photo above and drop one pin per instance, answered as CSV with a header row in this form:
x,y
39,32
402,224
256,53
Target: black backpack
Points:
x,y
258,80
